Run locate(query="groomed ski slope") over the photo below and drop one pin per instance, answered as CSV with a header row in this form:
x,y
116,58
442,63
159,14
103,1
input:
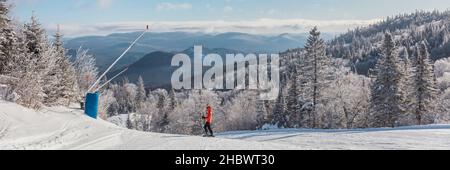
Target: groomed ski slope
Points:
x,y
64,128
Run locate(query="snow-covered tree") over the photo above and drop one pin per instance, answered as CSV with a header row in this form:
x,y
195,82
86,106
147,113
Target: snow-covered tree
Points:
x,y
293,105
242,111
141,95
51,82
279,112
4,9
408,83
443,108
69,87
172,100
85,69
425,91
442,73
106,101
313,71
262,116
8,41
161,120
388,96
63,84
348,99
36,59
35,39
28,85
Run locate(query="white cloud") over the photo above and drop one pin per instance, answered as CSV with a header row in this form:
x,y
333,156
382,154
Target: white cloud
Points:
x,y
259,26
272,12
227,9
173,6
76,3
104,3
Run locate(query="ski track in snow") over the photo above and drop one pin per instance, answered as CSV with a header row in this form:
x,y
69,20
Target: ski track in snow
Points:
x,y
69,129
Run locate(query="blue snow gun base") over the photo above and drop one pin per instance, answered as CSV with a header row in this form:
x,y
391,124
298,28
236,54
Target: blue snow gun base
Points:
x,y
91,105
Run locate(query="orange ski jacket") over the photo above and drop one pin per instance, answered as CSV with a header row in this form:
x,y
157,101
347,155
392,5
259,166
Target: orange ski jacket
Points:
x,y
209,115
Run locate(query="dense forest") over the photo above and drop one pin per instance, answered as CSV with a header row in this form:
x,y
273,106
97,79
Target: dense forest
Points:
x,y
362,46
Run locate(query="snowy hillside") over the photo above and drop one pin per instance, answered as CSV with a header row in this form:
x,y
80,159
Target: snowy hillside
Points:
x,y
63,128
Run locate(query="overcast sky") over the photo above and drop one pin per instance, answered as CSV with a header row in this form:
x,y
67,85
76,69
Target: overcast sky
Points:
x,y
91,17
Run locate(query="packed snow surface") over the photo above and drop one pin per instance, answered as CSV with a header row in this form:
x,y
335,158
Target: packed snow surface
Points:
x,y
65,128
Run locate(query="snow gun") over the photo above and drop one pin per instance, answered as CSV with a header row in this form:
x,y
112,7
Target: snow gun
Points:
x,y
92,96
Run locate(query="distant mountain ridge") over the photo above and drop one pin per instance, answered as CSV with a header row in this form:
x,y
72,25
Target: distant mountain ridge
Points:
x,y
107,48
156,69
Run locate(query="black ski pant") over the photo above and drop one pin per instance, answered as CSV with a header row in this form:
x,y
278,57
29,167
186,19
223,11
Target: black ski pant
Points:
x,y
207,128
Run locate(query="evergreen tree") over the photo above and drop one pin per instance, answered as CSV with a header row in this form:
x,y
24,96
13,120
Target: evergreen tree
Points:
x,y
141,95
35,39
65,72
314,72
293,104
279,112
425,90
28,85
162,118
37,59
407,69
388,97
261,113
9,44
172,100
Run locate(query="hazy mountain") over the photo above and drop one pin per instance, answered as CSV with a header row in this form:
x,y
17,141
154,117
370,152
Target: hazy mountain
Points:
x,y
107,48
156,70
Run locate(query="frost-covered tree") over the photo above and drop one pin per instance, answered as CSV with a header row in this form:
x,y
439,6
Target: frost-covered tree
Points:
x,y
388,96
85,69
425,91
4,9
349,99
36,60
9,44
279,112
35,39
28,85
106,100
406,66
68,82
63,84
293,106
314,72
442,73
161,120
172,100
242,111
51,82
141,95
408,83
443,108
262,116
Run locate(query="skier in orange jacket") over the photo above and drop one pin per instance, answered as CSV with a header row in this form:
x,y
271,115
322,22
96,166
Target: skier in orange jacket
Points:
x,y
208,121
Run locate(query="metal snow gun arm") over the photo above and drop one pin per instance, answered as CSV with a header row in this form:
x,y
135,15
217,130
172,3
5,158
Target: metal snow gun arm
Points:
x,y
92,97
